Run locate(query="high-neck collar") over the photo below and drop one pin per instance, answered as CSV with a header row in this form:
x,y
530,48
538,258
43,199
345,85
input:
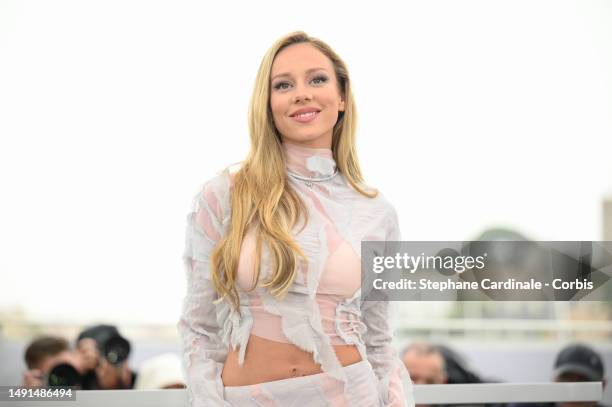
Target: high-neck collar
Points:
x,y
307,161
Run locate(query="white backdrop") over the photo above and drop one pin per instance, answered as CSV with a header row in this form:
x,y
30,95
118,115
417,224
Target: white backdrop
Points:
x,y
473,114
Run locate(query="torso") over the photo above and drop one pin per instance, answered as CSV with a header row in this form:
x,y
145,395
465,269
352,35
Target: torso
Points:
x,y
339,219
268,360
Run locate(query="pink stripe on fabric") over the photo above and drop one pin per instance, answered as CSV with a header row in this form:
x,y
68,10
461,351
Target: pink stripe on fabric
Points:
x,y
213,202
322,189
333,238
396,390
195,345
205,223
265,325
318,205
269,326
327,309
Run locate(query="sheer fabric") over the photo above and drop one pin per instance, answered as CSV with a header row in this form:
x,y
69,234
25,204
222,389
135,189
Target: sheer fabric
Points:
x,y
323,306
320,390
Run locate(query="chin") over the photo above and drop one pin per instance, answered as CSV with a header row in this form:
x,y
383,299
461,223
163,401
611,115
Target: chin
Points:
x,y
305,140
305,137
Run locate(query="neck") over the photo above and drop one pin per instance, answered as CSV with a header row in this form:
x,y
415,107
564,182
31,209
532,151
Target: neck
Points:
x,y
308,161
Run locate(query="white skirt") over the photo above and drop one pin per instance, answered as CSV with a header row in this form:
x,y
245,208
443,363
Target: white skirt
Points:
x,y
318,390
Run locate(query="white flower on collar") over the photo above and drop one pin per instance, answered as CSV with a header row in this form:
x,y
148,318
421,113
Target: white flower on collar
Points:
x,y
322,165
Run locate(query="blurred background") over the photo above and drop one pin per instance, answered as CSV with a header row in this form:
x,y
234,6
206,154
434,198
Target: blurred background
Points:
x,y
474,117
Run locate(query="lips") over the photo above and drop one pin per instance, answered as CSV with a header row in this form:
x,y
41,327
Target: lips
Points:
x,y
305,118
304,110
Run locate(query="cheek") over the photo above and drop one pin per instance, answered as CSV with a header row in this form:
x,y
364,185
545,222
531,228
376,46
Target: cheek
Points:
x,y
277,106
46,365
331,110
329,100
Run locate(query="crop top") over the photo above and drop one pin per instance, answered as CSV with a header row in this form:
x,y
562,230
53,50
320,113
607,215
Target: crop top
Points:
x,y
323,306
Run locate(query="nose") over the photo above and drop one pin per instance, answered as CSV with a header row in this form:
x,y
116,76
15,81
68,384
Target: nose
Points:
x,y
301,94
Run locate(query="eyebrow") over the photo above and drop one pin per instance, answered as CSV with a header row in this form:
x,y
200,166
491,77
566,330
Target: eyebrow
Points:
x,y
308,71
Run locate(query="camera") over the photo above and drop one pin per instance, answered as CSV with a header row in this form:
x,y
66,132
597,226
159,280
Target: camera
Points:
x,y
110,345
66,375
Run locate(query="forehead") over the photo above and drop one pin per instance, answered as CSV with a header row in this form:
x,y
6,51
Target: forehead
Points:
x,y
433,360
298,58
50,361
571,377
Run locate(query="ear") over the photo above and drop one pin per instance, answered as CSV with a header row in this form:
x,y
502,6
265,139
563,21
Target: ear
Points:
x,y
341,106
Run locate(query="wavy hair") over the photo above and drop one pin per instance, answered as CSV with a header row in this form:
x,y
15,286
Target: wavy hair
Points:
x,y
262,197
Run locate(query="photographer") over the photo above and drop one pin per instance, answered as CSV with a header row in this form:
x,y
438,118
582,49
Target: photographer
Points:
x,y
105,352
45,353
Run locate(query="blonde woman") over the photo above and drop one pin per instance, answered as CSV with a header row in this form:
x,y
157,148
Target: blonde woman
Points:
x,y
273,314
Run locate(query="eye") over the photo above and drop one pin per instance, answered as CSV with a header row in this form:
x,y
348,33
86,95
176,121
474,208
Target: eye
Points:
x,y
321,78
279,86
318,80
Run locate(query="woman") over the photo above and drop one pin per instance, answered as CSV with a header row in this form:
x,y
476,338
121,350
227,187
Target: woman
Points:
x,y
273,315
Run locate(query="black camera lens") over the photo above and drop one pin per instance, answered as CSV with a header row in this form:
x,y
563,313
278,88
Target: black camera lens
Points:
x,y
64,375
116,350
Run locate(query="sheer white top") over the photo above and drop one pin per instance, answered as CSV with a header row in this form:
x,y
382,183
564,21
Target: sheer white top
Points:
x,y
323,306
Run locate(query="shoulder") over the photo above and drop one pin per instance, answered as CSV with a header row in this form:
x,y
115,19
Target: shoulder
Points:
x,y
381,202
380,211
389,207
222,181
392,220
215,192
388,216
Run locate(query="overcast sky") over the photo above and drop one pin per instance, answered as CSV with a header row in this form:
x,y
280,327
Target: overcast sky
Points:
x,y
473,114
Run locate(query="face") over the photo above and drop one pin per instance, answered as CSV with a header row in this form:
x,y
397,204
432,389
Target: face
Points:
x,y
48,363
425,368
302,77
88,351
574,377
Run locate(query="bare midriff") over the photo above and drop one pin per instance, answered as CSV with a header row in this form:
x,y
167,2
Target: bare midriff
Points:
x,y
267,360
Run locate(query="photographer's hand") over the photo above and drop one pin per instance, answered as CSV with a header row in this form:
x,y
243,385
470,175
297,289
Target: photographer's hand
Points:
x,y
33,378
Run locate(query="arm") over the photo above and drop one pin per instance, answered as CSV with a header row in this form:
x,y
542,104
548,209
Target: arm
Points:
x,y
394,383
203,351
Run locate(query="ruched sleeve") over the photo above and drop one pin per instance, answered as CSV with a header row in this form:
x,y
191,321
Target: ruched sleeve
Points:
x,y
394,383
203,351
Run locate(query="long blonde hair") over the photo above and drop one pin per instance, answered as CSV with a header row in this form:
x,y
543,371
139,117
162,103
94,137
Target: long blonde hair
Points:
x,y
261,196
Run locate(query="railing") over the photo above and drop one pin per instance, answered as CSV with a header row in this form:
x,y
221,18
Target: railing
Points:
x,y
423,394
506,325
